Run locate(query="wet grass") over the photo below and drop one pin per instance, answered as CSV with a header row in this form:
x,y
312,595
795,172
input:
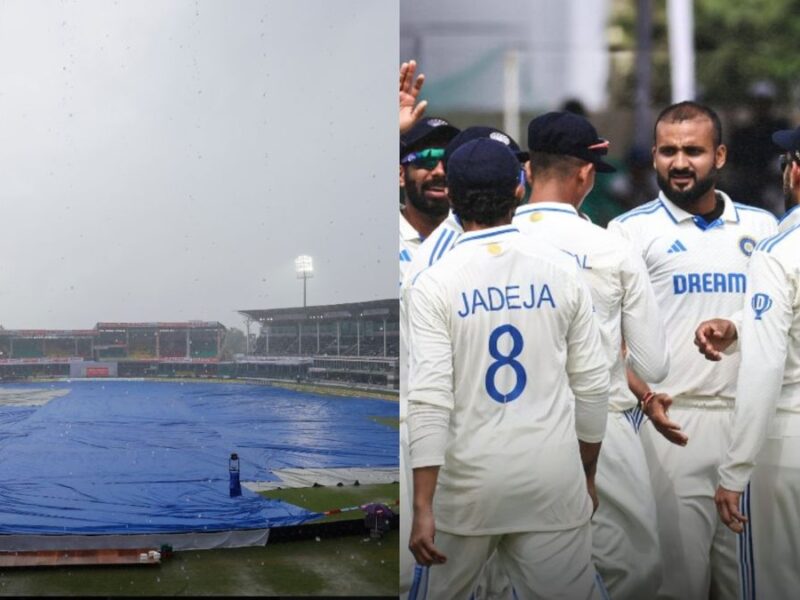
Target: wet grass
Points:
x,y
344,566
323,499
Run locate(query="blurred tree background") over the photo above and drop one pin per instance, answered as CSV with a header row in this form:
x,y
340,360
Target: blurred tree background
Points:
x,y
737,44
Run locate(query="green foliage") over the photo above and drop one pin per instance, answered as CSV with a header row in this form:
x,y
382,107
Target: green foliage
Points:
x,y
233,343
740,43
736,43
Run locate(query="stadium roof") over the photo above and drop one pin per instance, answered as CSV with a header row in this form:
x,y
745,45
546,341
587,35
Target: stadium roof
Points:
x,y
76,333
48,333
376,309
163,325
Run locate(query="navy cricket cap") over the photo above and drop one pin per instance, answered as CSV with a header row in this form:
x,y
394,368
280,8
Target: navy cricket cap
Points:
x,y
570,134
787,139
483,164
480,131
429,129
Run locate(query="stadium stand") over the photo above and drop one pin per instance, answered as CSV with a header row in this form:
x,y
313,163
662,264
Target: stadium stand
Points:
x,y
354,343
135,350
350,343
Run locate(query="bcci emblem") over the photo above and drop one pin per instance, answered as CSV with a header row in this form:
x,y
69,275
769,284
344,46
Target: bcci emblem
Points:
x,y
500,137
760,303
747,245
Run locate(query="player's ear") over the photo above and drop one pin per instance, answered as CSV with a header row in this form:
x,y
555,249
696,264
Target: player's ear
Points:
x,y
519,193
528,173
794,176
720,156
586,174
402,178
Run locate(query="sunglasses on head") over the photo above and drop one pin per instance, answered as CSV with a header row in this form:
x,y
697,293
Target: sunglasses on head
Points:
x,y
788,158
424,159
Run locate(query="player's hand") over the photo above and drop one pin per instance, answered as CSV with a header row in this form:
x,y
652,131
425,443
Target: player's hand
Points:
x,y
423,529
728,508
410,110
656,406
713,337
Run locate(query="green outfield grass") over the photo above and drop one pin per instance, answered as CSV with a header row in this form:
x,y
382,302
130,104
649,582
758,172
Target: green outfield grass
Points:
x,y
332,390
393,422
323,499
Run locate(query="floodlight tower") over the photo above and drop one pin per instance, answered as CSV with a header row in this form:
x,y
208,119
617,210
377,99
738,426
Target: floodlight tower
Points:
x,y
305,270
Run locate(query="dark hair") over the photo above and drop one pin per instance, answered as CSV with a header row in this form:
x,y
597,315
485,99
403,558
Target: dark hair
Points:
x,y
558,165
688,110
483,206
574,105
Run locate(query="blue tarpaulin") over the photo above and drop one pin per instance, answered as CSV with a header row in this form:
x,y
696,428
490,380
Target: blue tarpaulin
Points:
x,y
128,457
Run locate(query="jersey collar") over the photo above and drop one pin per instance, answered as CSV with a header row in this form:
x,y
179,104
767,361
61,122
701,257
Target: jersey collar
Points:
x,y
486,236
678,215
546,207
407,232
789,212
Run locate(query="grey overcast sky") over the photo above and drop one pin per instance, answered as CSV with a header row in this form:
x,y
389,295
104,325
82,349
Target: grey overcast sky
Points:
x,y
167,161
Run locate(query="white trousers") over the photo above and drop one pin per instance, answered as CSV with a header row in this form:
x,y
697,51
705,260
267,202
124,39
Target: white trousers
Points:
x,y
407,561
492,584
774,527
699,553
541,565
625,545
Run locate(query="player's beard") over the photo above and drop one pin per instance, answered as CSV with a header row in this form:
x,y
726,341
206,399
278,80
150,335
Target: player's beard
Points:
x,y
416,197
687,199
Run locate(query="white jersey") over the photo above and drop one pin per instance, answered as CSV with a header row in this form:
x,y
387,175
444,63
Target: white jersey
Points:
x,y
698,272
410,240
502,337
624,302
432,248
769,377
789,219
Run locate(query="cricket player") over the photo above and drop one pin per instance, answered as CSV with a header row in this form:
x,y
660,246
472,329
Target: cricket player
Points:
x,y
764,450
422,181
695,243
565,152
508,393
791,217
492,584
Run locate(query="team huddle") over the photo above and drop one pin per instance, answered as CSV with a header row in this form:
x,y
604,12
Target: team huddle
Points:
x,y
561,436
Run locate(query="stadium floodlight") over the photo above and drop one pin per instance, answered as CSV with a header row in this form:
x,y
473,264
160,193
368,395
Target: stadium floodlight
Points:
x,y
305,269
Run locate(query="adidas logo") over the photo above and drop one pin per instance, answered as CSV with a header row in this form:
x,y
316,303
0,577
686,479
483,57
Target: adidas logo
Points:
x,y
405,256
677,246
